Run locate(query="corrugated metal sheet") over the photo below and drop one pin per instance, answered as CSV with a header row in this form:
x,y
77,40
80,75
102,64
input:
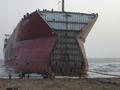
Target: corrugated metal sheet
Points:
x,y
65,20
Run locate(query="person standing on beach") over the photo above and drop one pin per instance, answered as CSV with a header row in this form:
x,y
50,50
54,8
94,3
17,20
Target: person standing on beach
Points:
x,y
9,75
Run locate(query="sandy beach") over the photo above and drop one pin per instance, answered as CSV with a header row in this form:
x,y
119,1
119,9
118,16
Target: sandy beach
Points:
x,y
92,82
61,84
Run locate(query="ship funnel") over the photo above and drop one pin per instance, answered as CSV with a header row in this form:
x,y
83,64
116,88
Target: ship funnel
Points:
x,y
63,6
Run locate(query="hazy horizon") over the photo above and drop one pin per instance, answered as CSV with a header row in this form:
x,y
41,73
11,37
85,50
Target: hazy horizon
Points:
x,y
103,40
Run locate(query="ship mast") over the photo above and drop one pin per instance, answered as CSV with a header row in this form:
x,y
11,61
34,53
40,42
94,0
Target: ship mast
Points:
x,y
63,6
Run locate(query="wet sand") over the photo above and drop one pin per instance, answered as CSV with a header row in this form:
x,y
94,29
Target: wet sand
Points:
x,y
61,84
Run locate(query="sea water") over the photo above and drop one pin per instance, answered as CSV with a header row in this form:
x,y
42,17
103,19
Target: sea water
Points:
x,y
103,65
108,66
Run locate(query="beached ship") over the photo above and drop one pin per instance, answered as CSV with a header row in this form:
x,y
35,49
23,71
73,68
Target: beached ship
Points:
x,y
50,43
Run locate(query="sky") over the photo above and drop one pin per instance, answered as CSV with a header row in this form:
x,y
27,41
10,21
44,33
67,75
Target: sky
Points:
x,y
104,38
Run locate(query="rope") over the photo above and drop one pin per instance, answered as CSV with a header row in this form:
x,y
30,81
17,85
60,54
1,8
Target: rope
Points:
x,y
103,73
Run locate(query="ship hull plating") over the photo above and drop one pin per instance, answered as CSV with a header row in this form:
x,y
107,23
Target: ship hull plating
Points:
x,y
37,46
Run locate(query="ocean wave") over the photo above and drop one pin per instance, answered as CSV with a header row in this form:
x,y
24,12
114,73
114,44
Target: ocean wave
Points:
x,y
105,67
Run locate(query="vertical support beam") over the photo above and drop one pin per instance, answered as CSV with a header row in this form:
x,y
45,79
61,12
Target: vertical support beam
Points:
x,y
63,6
84,67
81,40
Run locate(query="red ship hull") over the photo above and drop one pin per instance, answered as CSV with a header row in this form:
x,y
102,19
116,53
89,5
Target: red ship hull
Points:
x,y
31,47
32,55
49,42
